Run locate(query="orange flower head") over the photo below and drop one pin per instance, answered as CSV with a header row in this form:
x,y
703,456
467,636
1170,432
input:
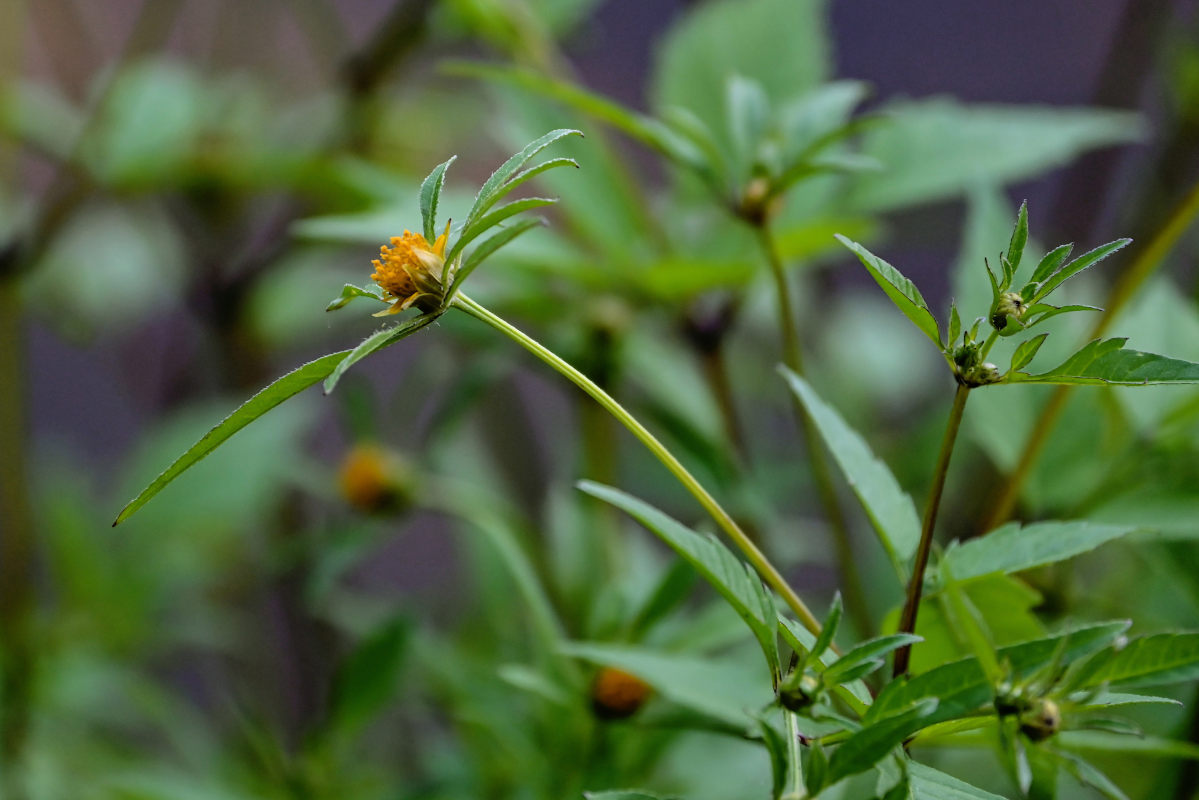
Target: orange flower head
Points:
x,y
616,694
409,272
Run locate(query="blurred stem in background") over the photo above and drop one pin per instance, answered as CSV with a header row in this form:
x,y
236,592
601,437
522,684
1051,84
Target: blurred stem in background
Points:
x,y
756,557
1125,288
851,578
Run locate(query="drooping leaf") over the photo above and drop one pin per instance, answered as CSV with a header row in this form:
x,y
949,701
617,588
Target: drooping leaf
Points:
x,y
902,291
499,184
430,195
288,386
1106,361
889,507
727,574
1151,661
350,291
375,342
1013,548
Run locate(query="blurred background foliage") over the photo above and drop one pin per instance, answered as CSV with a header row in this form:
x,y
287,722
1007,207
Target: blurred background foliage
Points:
x,y
360,596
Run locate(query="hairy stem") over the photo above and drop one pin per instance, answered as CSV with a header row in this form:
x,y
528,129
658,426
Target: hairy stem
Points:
x,y
851,579
756,557
1124,289
907,622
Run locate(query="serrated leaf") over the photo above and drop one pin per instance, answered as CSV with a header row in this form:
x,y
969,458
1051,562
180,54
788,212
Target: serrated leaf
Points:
x,y
430,195
1013,548
1026,352
865,748
350,291
727,574
488,246
1115,699
1106,361
375,342
285,387
489,221
962,686
1015,248
1151,661
902,291
1076,266
496,186
1048,265
890,509
866,651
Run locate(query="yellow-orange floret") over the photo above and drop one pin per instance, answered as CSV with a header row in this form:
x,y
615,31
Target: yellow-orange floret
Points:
x,y
409,271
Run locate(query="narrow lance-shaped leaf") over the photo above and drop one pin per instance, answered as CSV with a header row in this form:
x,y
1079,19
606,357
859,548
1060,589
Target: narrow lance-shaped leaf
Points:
x,y
430,194
488,221
375,342
1076,266
1027,351
865,652
496,186
1015,248
1047,266
1151,661
889,508
903,292
864,749
829,630
1106,361
489,246
288,386
1013,548
711,559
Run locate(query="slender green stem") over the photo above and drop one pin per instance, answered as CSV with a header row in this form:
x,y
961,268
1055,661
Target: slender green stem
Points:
x,y
796,791
1124,289
756,557
907,622
851,579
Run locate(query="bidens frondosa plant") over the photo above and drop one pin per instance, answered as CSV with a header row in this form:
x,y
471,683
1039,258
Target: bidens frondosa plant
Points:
x,y
831,724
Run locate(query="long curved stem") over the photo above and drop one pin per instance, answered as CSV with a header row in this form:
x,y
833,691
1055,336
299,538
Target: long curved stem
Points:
x,y
756,557
907,622
851,579
1123,291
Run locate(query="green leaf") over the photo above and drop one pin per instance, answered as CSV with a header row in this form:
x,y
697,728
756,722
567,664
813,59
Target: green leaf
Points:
x,y
1151,661
1015,248
748,110
731,578
828,630
962,686
288,386
935,149
865,748
777,746
375,342
780,44
1040,312
1105,361
930,784
488,221
350,291
854,692
1143,745
1012,548
671,590
1047,266
717,688
1026,352
903,292
628,794
866,652
1088,775
488,246
496,186
365,683
891,510
1076,266
430,195
1115,699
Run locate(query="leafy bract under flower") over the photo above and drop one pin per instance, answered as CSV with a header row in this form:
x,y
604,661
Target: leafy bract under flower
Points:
x,y
409,271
